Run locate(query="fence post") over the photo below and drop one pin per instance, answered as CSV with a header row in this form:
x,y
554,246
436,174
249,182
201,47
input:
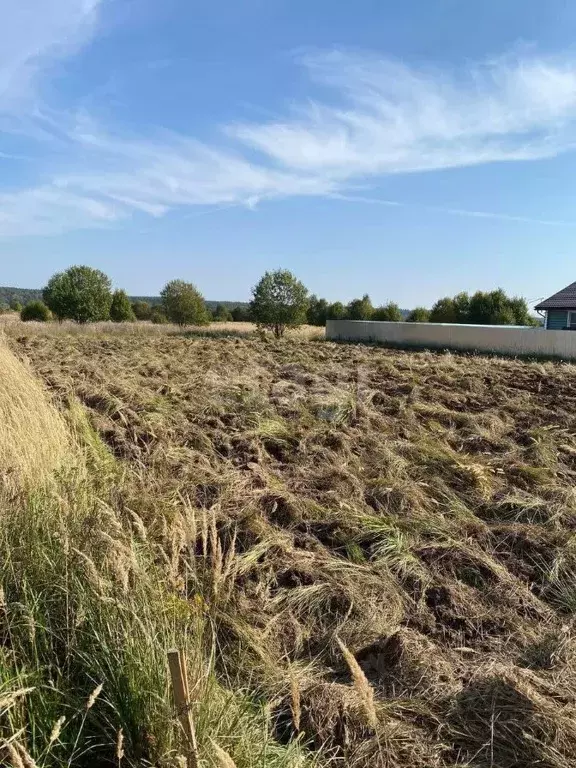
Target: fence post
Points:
x,y
177,664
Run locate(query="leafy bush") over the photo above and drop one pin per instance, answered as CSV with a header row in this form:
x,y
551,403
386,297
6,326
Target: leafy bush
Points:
x,y
222,314
35,310
142,310
15,305
418,315
360,309
482,308
336,311
317,311
279,301
80,293
183,304
241,314
121,310
157,316
390,313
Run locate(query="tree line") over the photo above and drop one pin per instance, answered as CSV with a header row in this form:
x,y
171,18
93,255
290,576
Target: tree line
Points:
x,y
85,295
279,301
481,308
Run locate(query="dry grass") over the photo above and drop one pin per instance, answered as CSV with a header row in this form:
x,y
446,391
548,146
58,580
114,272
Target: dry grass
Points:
x,y
89,605
11,323
33,436
417,510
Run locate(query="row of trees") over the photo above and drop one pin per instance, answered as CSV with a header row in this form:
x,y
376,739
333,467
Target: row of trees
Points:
x,y
282,289
143,310
319,310
279,301
85,295
482,308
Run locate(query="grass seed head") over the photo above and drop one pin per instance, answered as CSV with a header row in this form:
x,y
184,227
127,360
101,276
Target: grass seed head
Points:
x,y
93,696
222,757
361,685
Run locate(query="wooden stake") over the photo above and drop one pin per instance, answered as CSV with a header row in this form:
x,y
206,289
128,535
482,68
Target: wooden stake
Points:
x,y
177,664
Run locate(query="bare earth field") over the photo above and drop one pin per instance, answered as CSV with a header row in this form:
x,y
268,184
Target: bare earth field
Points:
x,y
387,538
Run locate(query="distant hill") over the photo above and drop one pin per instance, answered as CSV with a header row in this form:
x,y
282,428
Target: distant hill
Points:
x,y
24,295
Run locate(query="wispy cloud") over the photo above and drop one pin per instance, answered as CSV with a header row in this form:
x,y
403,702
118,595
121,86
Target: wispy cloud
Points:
x,y
390,118
454,211
33,34
48,210
129,176
383,118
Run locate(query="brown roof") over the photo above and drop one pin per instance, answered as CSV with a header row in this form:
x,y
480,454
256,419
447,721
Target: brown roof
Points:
x,y
564,299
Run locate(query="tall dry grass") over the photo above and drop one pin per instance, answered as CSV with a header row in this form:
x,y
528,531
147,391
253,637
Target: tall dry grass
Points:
x,y
34,440
14,326
88,610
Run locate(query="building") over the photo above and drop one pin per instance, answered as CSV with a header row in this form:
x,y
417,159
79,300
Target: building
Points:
x,y
560,310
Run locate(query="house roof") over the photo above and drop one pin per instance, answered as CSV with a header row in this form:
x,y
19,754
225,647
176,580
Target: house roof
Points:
x,y
564,299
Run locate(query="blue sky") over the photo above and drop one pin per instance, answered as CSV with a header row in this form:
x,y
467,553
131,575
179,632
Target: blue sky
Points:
x,y
409,149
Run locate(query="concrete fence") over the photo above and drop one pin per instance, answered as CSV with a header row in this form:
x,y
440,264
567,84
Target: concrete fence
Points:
x,y
509,340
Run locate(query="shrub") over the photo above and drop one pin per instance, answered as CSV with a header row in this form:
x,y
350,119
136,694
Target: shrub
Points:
x,y
15,305
279,301
142,310
121,310
241,314
336,311
360,309
418,315
317,311
35,310
183,304
483,308
157,316
80,293
222,314
390,313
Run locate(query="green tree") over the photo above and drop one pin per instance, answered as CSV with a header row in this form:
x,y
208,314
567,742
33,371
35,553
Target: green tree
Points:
x,y
80,293
491,308
222,314
142,310
279,301
157,316
388,313
35,310
15,305
418,315
241,314
462,307
360,309
482,308
336,311
443,311
521,312
317,311
121,310
183,304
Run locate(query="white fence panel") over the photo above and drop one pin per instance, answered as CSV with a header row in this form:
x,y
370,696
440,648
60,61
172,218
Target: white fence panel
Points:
x,y
509,340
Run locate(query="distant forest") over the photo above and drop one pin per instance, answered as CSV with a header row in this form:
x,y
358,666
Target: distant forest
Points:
x,y
25,295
